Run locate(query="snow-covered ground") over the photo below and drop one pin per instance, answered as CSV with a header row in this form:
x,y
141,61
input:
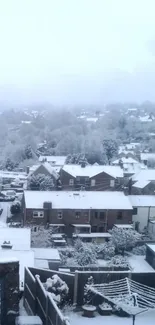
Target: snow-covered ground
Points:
x,y
6,212
143,319
139,264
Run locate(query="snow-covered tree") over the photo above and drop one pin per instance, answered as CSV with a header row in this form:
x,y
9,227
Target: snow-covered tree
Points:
x,y
15,207
124,239
9,164
110,147
139,250
28,152
40,182
85,256
106,250
41,237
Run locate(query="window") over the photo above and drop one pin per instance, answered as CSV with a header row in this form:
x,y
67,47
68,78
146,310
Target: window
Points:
x,y
96,214
92,182
119,215
60,215
71,182
77,214
78,178
102,215
112,183
134,212
38,214
86,179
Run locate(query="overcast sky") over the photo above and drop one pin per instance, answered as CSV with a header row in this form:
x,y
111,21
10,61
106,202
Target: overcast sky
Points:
x,y
77,51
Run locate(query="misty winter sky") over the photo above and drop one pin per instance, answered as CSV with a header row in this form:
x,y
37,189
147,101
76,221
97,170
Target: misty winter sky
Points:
x,y
77,51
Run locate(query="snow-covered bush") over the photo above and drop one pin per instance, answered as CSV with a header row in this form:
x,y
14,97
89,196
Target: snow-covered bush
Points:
x,y
78,245
106,250
119,261
85,256
66,254
139,250
15,207
58,289
124,239
41,238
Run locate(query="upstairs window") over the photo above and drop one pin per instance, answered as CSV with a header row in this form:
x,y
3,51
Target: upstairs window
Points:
x,y
102,215
119,215
112,183
38,214
93,182
71,182
134,211
77,214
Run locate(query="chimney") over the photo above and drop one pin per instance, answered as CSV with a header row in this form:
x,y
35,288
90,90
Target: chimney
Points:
x,y
6,245
83,164
27,170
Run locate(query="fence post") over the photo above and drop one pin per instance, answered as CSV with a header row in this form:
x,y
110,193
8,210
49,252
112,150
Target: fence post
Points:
x,y
47,309
75,288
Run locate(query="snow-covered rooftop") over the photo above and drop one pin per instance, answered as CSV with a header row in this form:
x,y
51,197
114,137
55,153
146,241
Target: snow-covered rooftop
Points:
x,y
25,258
12,175
95,235
144,175
93,170
54,160
41,264
77,200
142,200
124,226
147,156
20,238
125,161
139,264
152,247
46,253
141,184
47,166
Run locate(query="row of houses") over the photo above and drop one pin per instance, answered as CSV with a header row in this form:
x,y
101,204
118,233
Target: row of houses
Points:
x,y
73,212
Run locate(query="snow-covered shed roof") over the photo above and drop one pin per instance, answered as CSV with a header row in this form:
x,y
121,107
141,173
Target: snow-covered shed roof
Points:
x,y
93,170
125,161
145,175
46,254
141,184
77,200
147,156
123,226
25,258
142,200
151,246
54,160
20,238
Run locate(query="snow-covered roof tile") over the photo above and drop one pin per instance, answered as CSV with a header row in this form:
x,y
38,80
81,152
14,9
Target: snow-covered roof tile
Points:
x,y
142,200
147,156
77,200
93,170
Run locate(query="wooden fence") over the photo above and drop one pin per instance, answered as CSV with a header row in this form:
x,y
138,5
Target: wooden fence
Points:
x,y
38,301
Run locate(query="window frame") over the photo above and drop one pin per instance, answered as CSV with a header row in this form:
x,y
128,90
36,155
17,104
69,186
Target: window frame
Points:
x,y
77,214
40,214
133,211
112,183
120,215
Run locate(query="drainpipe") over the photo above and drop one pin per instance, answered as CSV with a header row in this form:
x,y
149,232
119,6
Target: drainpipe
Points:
x,y
148,217
106,220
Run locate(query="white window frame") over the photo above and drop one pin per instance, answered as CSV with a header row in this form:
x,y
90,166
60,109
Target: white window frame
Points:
x,y
39,214
77,214
60,214
71,182
93,182
112,183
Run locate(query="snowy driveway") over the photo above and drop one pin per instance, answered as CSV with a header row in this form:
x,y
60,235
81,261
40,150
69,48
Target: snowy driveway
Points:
x,y
6,212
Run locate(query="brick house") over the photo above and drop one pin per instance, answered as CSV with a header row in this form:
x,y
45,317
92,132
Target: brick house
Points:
x,y
91,177
143,182
82,211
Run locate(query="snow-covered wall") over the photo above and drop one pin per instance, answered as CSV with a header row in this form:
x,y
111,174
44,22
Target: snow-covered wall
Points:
x,y
143,213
